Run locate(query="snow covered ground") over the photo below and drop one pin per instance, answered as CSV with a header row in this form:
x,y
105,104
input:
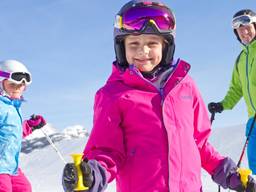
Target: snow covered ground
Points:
x,y
43,166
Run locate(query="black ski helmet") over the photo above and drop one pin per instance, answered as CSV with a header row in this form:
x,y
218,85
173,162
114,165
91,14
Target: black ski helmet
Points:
x,y
248,12
148,28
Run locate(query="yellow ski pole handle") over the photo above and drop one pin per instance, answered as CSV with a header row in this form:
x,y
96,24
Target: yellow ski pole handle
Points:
x,y
244,173
77,158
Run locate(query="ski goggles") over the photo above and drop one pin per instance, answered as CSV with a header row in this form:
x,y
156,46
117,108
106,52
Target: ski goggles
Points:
x,y
242,20
17,77
135,18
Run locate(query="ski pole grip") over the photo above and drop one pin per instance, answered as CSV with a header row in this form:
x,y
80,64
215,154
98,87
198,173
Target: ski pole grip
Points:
x,y
77,158
244,173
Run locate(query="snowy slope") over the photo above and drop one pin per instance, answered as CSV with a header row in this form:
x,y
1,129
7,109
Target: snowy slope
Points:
x,y
43,166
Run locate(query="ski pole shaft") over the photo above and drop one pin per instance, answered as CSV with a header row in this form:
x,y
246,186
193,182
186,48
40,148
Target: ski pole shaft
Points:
x,y
247,141
212,117
53,146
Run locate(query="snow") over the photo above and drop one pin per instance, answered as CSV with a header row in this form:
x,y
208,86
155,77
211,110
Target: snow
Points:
x,y
43,166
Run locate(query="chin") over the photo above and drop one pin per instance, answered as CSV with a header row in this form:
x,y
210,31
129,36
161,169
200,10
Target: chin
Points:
x,y
15,97
146,69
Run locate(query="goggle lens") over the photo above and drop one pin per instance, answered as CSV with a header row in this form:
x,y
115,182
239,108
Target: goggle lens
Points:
x,y
136,17
18,76
241,20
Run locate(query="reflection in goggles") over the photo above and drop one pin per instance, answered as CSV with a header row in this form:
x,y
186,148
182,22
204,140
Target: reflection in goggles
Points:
x,y
242,20
135,18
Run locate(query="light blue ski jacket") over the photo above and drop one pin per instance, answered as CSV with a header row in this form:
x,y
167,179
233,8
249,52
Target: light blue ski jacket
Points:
x,y
10,135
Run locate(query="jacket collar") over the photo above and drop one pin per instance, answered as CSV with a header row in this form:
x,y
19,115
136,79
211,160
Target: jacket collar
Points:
x,y
132,77
250,45
15,102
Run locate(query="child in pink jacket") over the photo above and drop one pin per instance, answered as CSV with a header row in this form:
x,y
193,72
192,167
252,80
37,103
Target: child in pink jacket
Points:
x,y
151,127
14,79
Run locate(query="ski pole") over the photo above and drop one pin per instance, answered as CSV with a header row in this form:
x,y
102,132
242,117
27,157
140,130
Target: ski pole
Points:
x,y
53,146
212,119
50,141
244,173
247,141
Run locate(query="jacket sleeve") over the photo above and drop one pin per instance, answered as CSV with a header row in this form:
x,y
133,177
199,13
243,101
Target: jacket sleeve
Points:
x,y
210,158
106,143
27,130
234,93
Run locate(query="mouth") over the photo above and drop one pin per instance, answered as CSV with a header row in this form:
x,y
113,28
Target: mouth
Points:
x,y
142,61
16,92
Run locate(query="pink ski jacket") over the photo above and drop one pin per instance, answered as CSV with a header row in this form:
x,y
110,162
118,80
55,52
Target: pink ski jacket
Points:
x,y
149,139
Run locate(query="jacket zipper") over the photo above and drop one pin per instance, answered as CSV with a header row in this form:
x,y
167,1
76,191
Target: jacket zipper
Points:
x,y
161,93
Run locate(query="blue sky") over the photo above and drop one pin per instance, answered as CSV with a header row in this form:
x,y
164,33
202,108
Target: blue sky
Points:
x,y
68,47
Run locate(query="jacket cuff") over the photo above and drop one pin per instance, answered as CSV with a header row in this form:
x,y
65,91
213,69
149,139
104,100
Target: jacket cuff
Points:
x,y
100,176
223,171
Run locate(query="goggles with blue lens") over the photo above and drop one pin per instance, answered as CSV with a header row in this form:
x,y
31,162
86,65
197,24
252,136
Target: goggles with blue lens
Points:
x,y
242,20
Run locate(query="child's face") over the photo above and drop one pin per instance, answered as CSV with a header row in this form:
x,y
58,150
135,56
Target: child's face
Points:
x,y
144,51
14,90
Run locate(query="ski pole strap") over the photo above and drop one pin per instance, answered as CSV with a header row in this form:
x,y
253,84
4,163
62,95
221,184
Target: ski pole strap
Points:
x,y
246,142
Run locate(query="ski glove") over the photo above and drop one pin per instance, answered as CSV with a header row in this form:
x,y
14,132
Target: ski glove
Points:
x,y
226,175
215,107
94,176
36,122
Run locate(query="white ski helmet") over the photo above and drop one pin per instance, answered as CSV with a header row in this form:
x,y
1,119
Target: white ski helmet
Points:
x,y
14,71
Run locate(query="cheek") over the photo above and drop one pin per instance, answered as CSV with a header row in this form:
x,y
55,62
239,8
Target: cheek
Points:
x,y
129,55
158,54
253,32
23,88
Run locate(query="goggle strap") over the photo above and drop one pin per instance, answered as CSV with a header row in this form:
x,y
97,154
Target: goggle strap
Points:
x,y
5,74
118,22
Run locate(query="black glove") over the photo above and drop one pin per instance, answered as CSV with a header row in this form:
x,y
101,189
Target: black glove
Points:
x,y
251,185
70,177
215,107
87,174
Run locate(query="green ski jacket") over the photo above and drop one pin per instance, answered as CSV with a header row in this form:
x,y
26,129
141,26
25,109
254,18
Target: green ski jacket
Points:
x,y
243,82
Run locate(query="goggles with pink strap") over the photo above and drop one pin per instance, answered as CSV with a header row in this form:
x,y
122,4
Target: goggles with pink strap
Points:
x,y
135,18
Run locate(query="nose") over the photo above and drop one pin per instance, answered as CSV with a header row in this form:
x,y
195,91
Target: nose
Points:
x,y
244,30
18,86
144,50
